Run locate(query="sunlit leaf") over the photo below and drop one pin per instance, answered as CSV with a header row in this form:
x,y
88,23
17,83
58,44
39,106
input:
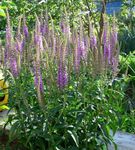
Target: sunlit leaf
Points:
x,y
2,13
74,136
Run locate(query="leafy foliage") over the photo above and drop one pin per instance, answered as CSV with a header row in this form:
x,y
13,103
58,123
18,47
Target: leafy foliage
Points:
x,y
127,30
78,117
127,82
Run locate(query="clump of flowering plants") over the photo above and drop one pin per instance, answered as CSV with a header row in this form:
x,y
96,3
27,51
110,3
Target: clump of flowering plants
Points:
x,y
60,83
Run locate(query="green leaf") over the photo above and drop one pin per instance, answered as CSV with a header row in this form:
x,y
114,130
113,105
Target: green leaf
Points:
x,y
74,136
2,13
7,3
14,131
4,107
59,148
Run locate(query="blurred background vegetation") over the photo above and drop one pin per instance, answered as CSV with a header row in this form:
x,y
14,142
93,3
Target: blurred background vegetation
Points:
x,y
124,10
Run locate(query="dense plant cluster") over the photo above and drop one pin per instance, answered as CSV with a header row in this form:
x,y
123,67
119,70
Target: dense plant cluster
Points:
x,y
69,85
60,83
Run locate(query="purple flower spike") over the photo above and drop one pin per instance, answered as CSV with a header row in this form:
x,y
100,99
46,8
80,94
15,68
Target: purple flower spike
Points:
x,y
106,42
62,77
80,53
38,77
5,56
44,29
82,50
93,42
38,38
25,31
41,42
107,52
13,67
114,38
19,45
114,49
22,45
9,45
25,28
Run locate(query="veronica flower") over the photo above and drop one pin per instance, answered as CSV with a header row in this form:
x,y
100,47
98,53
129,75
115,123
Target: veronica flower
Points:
x,y
8,39
106,43
13,67
82,49
77,51
93,40
10,53
82,46
62,76
38,82
25,28
25,31
38,77
114,38
37,72
41,42
19,45
44,29
38,41
114,49
38,36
